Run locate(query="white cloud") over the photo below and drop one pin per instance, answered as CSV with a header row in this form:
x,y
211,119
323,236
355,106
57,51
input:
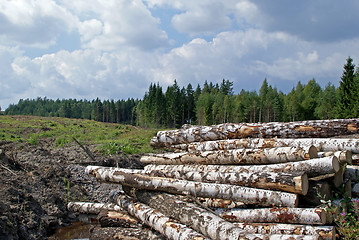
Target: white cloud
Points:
x,y
33,23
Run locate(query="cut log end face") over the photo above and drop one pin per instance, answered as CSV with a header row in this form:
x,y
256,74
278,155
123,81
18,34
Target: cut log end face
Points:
x,y
336,165
312,152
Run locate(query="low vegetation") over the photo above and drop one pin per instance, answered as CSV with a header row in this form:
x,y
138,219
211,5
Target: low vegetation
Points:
x,y
111,138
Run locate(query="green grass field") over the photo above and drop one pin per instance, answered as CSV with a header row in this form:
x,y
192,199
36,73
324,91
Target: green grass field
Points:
x,y
110,137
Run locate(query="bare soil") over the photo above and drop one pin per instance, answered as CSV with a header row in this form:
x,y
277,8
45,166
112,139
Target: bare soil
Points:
x,y
36,182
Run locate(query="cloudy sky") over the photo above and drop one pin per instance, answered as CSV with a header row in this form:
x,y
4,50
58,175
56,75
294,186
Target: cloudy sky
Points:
x,y
114,49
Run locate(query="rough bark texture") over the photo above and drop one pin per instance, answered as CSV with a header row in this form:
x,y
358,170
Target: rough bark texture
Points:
x,y
237,156
156,220
201,220
117,219
313,167
322,144
288,182
310,216
91,208
99,233
316,128
326,232
212,190
219,203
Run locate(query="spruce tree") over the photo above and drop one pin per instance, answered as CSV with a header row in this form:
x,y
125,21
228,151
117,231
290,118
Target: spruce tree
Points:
x,y
347,90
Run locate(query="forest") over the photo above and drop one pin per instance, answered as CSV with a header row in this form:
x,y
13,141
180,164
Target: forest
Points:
x,y
210,104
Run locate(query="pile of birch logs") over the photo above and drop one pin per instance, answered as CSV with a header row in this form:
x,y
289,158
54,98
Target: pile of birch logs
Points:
x,y
237,181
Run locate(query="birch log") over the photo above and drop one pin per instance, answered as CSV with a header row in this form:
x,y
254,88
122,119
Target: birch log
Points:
x,y
343,156
322,144
247,195
237,156
313,167
91,208
309,216
325,232
288,182
156,220
316,128
117,219
201,220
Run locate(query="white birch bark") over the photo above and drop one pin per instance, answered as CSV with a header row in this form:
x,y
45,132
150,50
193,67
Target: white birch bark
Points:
x,y
247,195
326,232
322,144
312,167
316,128
156,220
237,156
279,237
91,208
219,203
343,156
288,182
309,216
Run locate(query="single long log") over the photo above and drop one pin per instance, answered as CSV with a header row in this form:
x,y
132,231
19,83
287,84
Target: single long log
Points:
x,y
237,156
288,182
198,189
325,232
312,167
310,216
208,223
118,233
218,203
316,128
322,144
91,208
156,220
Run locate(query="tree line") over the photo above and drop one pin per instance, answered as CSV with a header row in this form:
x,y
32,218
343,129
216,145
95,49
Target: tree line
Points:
x,y
211,104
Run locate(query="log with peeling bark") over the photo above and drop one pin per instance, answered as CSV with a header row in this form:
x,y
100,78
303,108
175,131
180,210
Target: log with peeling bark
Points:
x,y
246,195
117,219
343,156
309,216
322,144
119,233
312,167
325,232
156,220
218,203
237,156
91,208
318,192
202,220
316,128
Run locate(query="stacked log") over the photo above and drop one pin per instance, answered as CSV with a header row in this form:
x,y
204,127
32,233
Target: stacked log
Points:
x,y
237,181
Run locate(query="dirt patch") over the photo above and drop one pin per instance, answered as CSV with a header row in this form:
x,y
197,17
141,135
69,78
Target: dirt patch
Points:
x,y
36,183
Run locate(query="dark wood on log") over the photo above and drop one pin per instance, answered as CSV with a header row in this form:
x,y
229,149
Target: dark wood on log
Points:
x,y
117,219
246,195
315,128
312,167
118,233
309,216
325,232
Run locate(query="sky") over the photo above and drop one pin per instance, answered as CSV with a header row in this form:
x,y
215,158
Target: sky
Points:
x,y
114,49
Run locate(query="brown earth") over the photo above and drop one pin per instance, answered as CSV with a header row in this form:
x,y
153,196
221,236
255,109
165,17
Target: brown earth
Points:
x,y
36,182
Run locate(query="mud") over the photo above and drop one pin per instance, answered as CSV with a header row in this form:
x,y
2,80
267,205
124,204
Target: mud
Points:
x,y
36,182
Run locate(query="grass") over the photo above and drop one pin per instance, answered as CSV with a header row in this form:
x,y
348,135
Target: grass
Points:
x,y
111,138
